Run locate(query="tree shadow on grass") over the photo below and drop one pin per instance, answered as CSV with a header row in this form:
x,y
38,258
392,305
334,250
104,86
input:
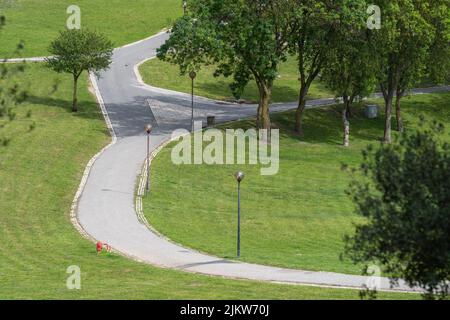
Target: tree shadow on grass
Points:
x,y
324,125
86,109
250,94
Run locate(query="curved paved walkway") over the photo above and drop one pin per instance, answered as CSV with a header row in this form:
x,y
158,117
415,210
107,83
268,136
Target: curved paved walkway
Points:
x,y
106,207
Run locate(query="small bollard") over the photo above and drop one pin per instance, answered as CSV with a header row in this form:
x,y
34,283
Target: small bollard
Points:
x,y
371,111
211,121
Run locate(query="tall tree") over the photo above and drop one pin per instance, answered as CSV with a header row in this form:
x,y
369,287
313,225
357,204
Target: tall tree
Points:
x,y
75,51
246,39
350,71
314,26
402,46
402,191
428,57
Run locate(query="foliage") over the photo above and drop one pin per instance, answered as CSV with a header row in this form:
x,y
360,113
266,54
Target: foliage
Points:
x,y
75,51
246,39
314,26
403,46
11,94
404,195
350,69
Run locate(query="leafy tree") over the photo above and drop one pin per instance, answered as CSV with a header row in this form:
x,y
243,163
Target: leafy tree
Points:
x,y
425,58
191,45
11,94
75,51
403,45
246,40
403,192
350,71
314,26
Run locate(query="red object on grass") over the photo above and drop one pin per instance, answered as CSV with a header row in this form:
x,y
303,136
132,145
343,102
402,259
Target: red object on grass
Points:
x,y
99,247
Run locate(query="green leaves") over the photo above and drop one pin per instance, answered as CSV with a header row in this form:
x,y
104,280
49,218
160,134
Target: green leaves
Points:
x,y
11,94
75,51
404,192
78,50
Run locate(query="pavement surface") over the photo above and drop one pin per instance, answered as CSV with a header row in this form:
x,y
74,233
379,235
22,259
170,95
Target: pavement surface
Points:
x,y
106,208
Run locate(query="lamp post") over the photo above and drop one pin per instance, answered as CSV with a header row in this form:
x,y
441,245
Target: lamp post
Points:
x,y
148,129
239,177
192,75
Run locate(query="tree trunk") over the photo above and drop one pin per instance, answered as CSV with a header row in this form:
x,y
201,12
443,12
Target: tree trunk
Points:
x,y
300,109
387,126
400,127
75,96
259,124
346,122
265,115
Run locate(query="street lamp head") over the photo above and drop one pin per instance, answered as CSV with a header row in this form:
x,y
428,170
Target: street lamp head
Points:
x,y
239,176
192,75
148,128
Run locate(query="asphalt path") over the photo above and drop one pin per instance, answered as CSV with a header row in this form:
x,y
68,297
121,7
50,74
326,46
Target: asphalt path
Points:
x,y
106,209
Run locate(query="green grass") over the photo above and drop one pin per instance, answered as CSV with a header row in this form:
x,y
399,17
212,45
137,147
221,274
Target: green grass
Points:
x,y
39,174
37,22
165,75
295,219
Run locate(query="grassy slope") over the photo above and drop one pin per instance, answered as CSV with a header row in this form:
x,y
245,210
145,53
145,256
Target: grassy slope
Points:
x,y
294,219
165,75
39,174
37,22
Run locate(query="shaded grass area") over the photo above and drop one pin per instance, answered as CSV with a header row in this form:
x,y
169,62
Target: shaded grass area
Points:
x,y
37,22
39,174
294,219
286,88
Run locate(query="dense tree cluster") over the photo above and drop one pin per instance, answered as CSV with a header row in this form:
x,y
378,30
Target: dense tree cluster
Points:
x,y
248,39
404,196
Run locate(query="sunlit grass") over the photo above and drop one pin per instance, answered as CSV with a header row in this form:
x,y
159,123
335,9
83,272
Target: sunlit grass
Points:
x,y
294,219
39,174
37,22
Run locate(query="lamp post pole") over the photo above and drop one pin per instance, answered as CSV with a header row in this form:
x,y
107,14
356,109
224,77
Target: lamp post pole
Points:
x,y
239,177
148,129
192,75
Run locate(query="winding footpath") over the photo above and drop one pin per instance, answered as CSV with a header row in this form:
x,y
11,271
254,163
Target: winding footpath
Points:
x,y
105,206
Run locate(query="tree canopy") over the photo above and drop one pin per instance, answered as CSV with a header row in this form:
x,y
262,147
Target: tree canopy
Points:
x,y
75,51
246,40
404,196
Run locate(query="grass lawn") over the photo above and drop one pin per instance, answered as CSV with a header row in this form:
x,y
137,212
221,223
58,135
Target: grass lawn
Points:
x,y
39,174
294,219
165,75
37,22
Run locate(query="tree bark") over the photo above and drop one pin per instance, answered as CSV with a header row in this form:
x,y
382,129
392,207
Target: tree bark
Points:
x,y
346,122
388,94
300,109
399,96
387,125
263,114
259,124
75,95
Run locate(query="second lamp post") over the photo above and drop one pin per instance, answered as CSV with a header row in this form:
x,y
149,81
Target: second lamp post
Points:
x,y
148,129
192,75
239,177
